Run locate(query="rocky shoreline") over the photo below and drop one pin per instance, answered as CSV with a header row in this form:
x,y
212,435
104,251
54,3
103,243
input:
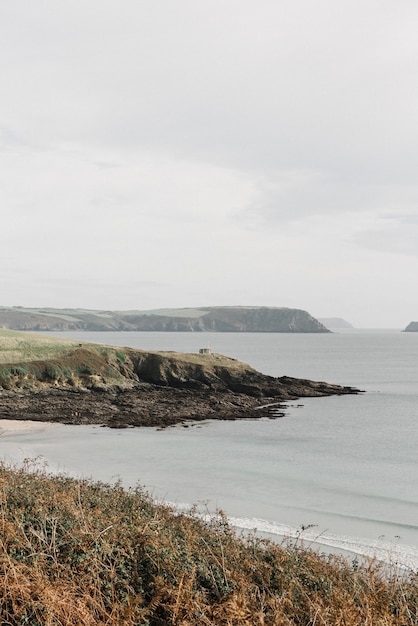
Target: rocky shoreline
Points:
x,y
123,387
157,406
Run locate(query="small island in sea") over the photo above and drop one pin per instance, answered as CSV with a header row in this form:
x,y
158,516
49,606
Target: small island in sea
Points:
x,y
411,328
51,379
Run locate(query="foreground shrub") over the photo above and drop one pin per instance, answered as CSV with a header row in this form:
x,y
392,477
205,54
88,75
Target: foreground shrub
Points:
x,y
76,552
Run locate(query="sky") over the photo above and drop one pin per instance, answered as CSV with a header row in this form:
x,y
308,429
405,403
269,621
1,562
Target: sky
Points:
x,y
186,153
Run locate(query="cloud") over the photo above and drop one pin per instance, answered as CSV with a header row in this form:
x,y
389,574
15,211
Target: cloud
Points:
x,y
289,85
391,235
208,151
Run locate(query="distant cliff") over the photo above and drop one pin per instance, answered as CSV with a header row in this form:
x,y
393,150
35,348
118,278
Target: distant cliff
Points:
x,y
212,319
334,322
411,328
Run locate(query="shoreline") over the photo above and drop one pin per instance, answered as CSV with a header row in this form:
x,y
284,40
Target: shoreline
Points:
x,y
102,543
11,426
119,388
151,404
402,558
394,556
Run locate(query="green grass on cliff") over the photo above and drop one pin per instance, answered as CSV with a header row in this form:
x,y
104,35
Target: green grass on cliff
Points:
x,y
17,346
29,360
76,552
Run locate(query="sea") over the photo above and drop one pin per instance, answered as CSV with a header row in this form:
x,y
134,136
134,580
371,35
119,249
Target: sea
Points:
x,y
336,473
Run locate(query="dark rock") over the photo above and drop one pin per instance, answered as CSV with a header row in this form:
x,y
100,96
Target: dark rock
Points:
x,y
120,387
155,405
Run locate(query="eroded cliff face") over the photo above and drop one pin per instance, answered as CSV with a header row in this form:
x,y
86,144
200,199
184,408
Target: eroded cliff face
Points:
x,y
263,319
411,328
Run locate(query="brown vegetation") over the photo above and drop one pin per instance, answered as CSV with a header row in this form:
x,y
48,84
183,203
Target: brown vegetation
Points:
x,y
74,552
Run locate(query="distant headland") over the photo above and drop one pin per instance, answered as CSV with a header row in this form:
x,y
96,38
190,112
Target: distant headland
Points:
x,y
411,328
209,319
335,322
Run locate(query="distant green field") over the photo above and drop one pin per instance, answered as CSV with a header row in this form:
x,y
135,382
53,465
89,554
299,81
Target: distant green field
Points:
x,y
66,314
76,314
168,312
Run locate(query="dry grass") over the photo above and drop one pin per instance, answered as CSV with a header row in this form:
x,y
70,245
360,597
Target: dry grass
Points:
x,y
74,367
74,552
28,361
208,361
18,346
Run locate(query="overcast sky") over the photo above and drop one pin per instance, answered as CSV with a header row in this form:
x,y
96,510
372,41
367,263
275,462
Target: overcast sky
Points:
x,y
177,153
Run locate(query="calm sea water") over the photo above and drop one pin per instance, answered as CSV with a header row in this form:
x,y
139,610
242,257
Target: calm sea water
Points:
x,y
345,467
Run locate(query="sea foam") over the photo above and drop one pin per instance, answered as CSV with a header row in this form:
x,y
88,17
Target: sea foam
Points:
x,y
394,554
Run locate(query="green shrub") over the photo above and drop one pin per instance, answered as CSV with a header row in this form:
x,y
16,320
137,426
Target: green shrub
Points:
x,y
74,552
85,368
121,356
19,370
50,372
5,373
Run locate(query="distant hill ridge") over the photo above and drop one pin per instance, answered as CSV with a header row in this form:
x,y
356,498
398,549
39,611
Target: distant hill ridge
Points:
x,y
335,322
212,319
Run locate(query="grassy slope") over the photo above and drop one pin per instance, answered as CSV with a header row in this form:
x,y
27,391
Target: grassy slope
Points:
x,y
30,361
74,552
16,346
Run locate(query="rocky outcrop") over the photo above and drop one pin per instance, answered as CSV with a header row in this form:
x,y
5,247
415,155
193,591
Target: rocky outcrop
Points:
x,y
212,319
411,328
124,387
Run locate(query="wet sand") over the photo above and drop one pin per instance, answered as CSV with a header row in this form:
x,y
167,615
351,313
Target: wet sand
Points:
x,y
17,426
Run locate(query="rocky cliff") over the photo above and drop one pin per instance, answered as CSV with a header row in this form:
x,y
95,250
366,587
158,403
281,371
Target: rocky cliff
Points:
x,y
212,319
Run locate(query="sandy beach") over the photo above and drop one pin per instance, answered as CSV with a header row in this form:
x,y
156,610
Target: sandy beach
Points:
x,y
17,426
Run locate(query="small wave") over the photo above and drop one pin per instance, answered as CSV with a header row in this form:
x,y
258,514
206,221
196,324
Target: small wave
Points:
x,y
392,553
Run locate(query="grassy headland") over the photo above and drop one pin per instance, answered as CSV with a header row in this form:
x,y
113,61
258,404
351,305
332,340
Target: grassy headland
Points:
x,y
50,379
76,552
